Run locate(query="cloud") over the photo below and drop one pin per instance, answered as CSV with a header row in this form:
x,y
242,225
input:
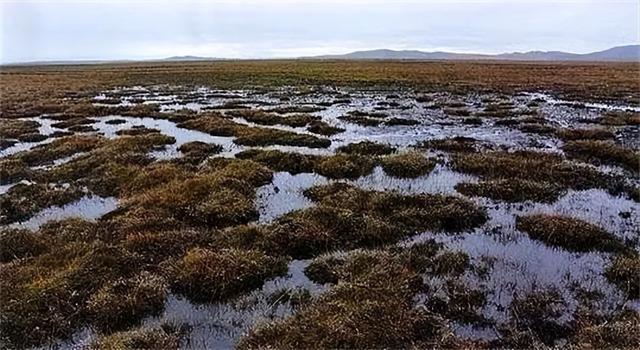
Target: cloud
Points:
x,y
139,29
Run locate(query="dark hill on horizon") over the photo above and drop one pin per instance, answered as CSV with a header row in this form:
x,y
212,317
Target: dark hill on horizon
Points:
x,y
628,53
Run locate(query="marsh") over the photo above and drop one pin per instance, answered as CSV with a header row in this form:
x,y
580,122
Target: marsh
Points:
x,y
287,204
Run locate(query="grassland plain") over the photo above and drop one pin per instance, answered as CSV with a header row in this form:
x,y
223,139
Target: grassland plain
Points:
x,y
320,204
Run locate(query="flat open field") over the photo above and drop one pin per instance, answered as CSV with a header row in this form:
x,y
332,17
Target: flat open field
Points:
x,y
320,204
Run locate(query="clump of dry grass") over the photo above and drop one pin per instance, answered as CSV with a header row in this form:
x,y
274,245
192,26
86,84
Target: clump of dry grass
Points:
x,y
450,262
24,200
19,129
67,231
497,110
624,272
116,121
19,243
107,170
296,109
401,121
293,163
136,131
165,337
420,256
368,148
265,118
197,151
538,167
140,110
45,297
620,118
300,120
13,170
222,194
154,175
124,302
372,308
324,269
267,137
73,122
535,128
4,143
158,246
460,303
603,152
455,144
585,134
213,123
621,332
257,116
205,275
407,165
513,190
535,321
568,233
59,148
361,120
82,128
322,128
457,111
347,218
344,166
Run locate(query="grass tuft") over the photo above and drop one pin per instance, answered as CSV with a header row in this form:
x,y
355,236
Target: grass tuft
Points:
x,y
407,165
603,152
568,233
368,148
205,275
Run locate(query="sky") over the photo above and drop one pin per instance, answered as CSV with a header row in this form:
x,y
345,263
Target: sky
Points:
x,y
149,29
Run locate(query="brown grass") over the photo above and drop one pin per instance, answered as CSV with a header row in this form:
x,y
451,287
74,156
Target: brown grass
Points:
x,y
205,275
513,190
604,152
407,165
568,233
624,272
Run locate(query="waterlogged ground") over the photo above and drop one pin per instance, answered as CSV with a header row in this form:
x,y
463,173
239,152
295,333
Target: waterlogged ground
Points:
x,y
510,272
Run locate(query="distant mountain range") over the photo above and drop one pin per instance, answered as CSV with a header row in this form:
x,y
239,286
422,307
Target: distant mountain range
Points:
x,y
629,53
620,53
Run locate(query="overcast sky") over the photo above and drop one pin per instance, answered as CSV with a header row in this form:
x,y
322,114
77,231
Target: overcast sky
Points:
x,y
102,29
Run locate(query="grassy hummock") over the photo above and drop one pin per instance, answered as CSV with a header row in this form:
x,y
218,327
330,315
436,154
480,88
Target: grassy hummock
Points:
x,y
368,148
407,165
293,163
22,201
267,137
604,152
346,217
165,337
221,197
19,243
537,167
455,144
344,166
323,128
206,275
568,233
372,308
585,134
624,272
124,302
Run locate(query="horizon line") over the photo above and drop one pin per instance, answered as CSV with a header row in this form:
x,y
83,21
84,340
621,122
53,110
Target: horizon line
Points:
x,y
186,57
